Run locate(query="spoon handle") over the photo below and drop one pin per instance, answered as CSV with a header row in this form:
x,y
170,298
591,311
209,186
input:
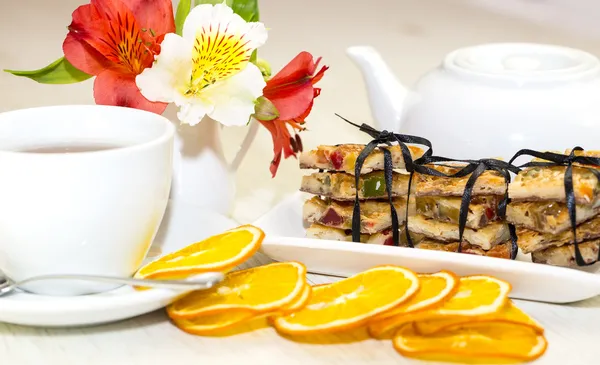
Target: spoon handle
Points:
x,y
195,282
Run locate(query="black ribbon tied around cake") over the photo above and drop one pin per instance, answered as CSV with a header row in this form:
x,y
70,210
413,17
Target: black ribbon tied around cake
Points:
x,y
552,159
473,167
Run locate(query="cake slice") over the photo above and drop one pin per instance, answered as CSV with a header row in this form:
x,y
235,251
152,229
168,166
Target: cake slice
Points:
x,y
531,241
502,250
343,158
547,184
341,186
375,216
590,153
488,183
482,209
486,237
385,238
322,232
547,217
565,255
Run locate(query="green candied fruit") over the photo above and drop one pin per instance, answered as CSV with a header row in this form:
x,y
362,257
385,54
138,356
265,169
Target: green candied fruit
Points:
x,y
415,238
425,204
373,185
449,213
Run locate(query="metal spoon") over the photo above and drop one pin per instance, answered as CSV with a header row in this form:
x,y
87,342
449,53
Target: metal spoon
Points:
x,y
196,282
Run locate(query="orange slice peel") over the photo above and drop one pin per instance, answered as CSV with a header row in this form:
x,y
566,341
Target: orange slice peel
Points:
x,y
475,296
509,314
434,288
351,302
298,302
213,323
484,343
221,252
261,289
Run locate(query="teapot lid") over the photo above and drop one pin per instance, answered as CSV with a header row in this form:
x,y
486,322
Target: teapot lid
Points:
x,y
522,63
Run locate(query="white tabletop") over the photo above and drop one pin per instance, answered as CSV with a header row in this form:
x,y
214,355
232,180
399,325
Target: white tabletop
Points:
x,y
571,330
413,36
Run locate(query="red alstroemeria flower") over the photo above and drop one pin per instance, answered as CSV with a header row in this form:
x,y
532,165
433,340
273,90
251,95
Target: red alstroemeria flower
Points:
x,y
115,40
292,92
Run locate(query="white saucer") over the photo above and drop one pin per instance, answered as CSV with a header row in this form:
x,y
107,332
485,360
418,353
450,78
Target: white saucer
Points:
x,y
183,224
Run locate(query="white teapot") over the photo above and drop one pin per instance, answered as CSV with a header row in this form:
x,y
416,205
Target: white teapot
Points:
x,y
492,100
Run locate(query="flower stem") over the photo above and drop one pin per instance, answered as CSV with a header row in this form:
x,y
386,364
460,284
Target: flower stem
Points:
x,y
245,146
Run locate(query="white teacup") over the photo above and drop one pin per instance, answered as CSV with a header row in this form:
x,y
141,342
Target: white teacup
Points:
x,y
83,189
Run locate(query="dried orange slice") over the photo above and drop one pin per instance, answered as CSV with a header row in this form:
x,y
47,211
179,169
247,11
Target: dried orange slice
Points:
x,y
211,323
508,314
479,343
434,288
217,253
299,302
476,296
295,306
350,302
260,289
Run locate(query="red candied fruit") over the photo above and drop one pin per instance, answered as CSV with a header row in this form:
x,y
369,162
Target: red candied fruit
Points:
x,y
336,159
489,213
331,218
390,240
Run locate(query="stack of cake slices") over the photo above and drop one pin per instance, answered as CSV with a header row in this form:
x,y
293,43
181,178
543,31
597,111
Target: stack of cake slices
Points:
x,y
329,213
538,210
438,199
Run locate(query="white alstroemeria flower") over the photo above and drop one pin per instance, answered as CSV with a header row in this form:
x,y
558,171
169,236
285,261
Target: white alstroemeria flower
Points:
x,y
207,71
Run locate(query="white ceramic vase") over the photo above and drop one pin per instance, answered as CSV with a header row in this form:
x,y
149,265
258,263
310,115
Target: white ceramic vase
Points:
x,y
202,176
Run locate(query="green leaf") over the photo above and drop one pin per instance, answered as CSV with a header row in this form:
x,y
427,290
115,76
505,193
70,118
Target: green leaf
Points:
x,y
183,9
212,2
60,71
247,9
263,66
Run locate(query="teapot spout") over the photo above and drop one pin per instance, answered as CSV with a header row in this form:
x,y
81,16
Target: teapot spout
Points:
x,y
386,94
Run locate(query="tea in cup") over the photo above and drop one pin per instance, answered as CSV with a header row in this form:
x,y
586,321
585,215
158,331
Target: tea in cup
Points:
x,y
83,191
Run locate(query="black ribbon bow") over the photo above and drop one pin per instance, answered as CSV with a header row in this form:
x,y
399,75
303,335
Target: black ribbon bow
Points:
x,y
387,138
556,159
474,167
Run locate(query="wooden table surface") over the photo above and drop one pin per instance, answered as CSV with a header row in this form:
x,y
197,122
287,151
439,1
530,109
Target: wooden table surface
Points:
x,y
412,35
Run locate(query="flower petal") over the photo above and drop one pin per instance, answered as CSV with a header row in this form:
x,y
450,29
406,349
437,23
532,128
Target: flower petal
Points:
x,y
168,78
272,128
150,14
223,43
234,97
118,35
114,88
292,105
78,52
193,111
291,89
153,14
281,142
299,68
221,18
83,56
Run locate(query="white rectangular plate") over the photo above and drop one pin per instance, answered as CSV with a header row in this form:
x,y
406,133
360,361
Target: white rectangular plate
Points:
x,y
286,242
